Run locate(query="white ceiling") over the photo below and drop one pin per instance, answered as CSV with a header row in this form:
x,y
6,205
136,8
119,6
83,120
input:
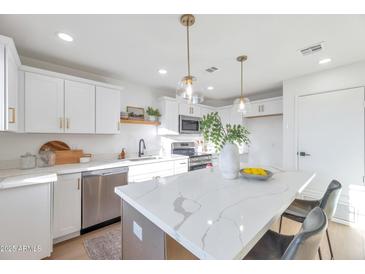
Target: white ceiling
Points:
x,y
134,47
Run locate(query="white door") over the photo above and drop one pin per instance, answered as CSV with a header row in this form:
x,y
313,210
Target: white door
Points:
x,y
331,139
79,107
44,104
107,110
12,91
67,205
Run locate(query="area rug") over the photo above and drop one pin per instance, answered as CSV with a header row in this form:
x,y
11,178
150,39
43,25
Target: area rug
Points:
x,y
104,247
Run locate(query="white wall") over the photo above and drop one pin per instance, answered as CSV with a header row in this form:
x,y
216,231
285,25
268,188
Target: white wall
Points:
x,y
266,135
333,79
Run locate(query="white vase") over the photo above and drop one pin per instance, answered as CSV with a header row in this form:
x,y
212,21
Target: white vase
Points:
x,y
229,161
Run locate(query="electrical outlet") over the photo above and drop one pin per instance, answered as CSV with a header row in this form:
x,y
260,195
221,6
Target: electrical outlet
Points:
x,y
137,230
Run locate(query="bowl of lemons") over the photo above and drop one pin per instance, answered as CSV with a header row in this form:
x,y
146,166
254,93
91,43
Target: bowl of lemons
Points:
x,y
256,173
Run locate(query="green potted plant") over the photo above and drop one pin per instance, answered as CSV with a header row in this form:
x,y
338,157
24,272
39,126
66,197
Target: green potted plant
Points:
x,y
153,114
225,140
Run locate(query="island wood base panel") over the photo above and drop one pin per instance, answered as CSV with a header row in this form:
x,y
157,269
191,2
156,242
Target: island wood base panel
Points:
x,y
154,243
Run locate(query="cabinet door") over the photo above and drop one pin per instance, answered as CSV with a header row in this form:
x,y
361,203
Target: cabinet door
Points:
x,y
254,110
67,205
272,107
195,110
44,104
169,117
107,110
11,76
185,109
79,107
2,88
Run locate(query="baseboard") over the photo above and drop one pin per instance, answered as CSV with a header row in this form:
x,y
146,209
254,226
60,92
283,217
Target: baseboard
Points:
x,y
66,237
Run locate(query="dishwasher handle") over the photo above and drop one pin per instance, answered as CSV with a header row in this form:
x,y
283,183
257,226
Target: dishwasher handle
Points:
x,y
105,172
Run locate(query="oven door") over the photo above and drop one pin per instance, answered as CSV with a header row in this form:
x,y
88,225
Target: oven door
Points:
x,y
189,125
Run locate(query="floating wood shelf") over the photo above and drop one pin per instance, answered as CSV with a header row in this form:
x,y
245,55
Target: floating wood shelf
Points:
x,y
139,122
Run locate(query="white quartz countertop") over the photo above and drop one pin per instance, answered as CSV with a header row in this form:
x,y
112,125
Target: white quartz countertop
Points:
x,y
212,217
17,177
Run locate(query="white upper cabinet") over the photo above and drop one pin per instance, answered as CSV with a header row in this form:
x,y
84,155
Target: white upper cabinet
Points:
x,y
267,107
79,107
189,109
9,62
44,103
204,110
169,116
108,106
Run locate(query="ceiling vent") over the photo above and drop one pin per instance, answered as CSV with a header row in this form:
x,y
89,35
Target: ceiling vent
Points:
x,y
212,69
312,49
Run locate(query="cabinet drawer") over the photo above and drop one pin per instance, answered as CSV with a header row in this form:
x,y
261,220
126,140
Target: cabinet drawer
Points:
x,y
150,176
150,168
180,166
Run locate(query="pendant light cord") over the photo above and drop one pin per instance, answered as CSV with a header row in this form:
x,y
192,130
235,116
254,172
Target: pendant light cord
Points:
x,y
188,45
241,80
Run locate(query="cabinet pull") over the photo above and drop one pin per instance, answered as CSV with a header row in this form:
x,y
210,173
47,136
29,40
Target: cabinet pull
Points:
x,y
61,123
67,123
263,108
78,183
118,125
13,117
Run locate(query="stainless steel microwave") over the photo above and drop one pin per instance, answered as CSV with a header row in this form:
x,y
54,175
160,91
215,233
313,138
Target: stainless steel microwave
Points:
x,y
189,124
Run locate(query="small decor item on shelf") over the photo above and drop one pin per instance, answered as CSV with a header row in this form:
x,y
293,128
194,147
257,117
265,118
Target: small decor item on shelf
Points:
x,y
225,140
256,173
123,115
135,113
153,114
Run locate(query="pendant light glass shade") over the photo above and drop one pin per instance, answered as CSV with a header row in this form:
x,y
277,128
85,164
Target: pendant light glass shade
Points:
x,y
187,89
243,103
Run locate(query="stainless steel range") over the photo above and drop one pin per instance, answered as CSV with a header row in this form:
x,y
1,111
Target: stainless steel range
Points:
x,y
196,160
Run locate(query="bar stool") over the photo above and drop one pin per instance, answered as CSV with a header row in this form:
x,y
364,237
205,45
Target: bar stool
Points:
x,y
299,209
302,246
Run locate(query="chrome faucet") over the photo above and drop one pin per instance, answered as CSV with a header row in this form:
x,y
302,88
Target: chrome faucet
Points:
x,y
141,150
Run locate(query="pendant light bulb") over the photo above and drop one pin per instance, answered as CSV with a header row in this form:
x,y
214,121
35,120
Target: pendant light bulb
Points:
x,y
189,90
244,103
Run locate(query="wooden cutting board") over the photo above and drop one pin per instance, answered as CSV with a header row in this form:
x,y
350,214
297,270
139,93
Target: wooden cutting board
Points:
x,y
54,146
68,156
64,155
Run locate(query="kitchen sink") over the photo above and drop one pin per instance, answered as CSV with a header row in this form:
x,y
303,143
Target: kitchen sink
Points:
x,y
145,158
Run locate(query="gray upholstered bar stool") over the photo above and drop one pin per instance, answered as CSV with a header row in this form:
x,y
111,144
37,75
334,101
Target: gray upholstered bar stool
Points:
x,y
299,209
302,246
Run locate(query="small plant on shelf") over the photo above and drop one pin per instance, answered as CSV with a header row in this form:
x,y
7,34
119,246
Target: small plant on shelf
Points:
x,y
215,132
153,114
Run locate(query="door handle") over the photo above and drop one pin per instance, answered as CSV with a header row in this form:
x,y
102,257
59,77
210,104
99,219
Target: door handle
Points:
x,y
303,154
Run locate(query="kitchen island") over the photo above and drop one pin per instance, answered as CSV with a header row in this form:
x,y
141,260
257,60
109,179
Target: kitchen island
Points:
x,y
200,215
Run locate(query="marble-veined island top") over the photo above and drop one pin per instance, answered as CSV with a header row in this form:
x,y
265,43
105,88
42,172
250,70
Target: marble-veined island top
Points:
x,y
212,217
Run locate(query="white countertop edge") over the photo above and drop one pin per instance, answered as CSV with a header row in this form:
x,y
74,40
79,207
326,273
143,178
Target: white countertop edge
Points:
x,y
165,228
15,182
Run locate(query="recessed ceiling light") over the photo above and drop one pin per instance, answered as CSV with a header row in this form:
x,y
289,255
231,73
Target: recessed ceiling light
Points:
x,y
210,88
162,71
65,37
324,61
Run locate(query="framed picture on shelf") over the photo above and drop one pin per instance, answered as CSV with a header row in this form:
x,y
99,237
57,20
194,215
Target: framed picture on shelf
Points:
x,y
135,113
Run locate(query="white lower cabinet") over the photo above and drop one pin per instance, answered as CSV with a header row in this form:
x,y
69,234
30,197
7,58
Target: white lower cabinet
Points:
x,y
67,205
181,166
146,172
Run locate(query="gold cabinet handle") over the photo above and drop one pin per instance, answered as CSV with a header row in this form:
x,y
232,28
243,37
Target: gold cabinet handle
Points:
x,y
61,123
13,116
78,183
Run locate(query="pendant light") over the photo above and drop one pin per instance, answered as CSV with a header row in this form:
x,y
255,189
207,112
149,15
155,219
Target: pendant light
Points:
x,y
244,103
187,88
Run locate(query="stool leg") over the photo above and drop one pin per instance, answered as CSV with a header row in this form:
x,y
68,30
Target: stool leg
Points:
x,y
319,253
329,244
281,221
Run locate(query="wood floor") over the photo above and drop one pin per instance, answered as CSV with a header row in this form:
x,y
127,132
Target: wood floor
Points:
x,y
348,243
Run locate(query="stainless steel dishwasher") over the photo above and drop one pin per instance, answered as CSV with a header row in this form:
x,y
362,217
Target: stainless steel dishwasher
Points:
x,y
100,205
